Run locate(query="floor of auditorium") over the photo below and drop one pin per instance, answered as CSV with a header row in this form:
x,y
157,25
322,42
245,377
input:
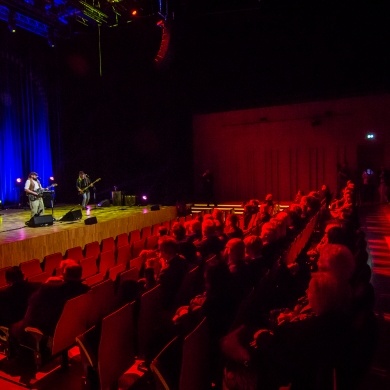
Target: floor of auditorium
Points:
x,y
375,220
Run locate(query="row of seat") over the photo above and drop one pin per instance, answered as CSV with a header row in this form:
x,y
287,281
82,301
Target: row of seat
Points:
x,y
124,246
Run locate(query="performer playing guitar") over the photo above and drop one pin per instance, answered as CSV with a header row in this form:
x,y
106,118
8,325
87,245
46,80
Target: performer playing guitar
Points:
x,y
34,190
83,185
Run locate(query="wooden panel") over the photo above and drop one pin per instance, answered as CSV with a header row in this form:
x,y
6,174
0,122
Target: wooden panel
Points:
x,y
18,245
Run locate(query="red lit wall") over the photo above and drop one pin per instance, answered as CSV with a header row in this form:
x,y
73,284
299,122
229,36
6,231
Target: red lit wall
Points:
x,y
280,149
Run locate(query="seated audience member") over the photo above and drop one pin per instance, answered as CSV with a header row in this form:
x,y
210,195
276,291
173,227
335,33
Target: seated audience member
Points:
x,y
267,208
300,345
325,195
174,269
234,255
14,298
232,229
250,208
186,248
162,231
46,304
218,215
194,230
220,233
298,196
210,244
254,259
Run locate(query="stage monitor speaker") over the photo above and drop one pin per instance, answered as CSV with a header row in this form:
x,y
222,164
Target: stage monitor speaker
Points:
x,y
41,220
154,207
72,215
104,203
90,221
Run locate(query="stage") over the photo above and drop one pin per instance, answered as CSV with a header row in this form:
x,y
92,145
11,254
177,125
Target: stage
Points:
x,y
19,242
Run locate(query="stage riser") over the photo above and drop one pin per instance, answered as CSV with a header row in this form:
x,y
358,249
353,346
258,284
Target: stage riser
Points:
x,y
51,239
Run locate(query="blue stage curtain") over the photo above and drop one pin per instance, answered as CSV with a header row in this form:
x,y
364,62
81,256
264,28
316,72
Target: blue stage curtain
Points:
x,y
24,127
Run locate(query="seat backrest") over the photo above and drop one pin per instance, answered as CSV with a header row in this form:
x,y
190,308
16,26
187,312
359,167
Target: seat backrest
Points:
x,y
75,253
104,301
117,345
31,267
146,231
39,278
134,235
130,274
121,240
136,262
137,247
166,366
51,262
106,260
72,322
192,284
92,249
151,242
94,279
149,320
195,364
114,271
107,244
123,254
89,267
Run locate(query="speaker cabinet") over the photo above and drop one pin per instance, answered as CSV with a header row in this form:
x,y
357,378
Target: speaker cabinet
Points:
x,y
90,221
72,215
104,203
41,220
155,207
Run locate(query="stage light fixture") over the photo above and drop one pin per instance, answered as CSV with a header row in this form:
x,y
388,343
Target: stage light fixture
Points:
x,y
51,178
11,22
370,136
19,180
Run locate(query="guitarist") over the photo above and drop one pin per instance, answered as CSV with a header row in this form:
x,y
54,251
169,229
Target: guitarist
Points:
x,y
33,188
83,184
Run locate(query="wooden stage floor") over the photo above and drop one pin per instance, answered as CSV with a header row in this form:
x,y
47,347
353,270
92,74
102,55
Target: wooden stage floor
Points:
x,y
19,242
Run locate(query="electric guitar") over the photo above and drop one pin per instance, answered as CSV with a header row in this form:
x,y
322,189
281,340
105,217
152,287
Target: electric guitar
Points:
x,y
89,185
40,191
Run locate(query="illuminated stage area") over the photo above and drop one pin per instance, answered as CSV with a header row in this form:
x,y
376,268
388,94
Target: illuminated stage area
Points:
x,y
19,242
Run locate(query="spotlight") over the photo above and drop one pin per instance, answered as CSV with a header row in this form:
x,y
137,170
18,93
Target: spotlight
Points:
x,y
51,38
370,136
19,180
144,197
11,22
51,178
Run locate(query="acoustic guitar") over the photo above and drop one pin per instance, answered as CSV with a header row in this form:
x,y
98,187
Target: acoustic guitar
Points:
x,y
88,186
40,191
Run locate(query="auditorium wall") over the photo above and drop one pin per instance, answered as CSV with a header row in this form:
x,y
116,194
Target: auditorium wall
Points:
x,y
282,149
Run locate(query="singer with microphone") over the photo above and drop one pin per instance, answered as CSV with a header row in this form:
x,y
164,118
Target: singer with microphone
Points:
x,y
33,190
83,184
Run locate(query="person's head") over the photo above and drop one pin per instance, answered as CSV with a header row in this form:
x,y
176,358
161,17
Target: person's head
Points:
x,y
13,275
232,220
81,174
72,272
208,228
253,246
218,215
168,247
195,227
33,175
178,231
67,263
162,231
338,260
326,293
234,251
